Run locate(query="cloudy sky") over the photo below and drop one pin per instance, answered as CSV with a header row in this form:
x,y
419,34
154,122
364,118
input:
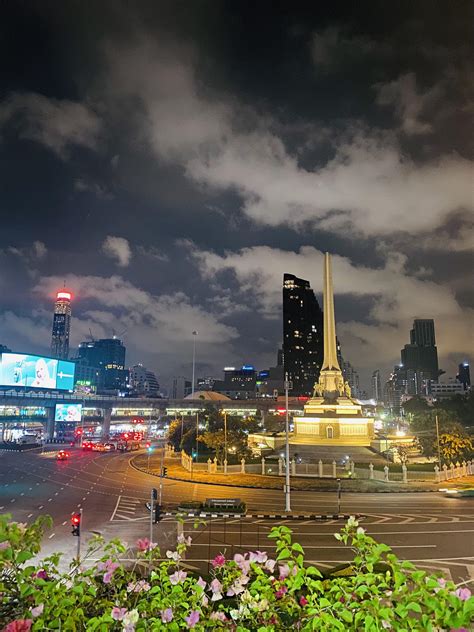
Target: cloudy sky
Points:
x,y
171,160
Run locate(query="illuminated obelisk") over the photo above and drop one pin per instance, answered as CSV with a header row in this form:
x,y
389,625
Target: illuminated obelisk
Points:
x,y
331,416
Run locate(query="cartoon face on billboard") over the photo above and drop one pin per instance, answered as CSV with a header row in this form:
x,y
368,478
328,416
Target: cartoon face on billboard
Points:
x,y
68,412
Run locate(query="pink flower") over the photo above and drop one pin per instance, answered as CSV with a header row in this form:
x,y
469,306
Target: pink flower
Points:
x,y
138,586
166,615
303,601
218,616
242,562
200,582
205,600
216,588
281,591
259,556
463,593
4,545
41,574
20,625
270,565
177,577
192,619
219,560
118,614
284,570
183,540
144,544
36,612
238,586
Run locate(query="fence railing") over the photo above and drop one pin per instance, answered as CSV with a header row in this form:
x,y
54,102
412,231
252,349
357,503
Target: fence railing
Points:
x,y
320,469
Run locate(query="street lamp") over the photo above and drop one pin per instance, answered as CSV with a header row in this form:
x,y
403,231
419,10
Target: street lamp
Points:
x,y
287,449
225,434
195,333
197,434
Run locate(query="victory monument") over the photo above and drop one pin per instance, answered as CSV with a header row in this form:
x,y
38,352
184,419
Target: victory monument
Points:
x,y
331,417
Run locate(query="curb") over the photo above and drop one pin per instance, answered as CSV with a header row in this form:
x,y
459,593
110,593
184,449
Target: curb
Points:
x,y
320,517
325,491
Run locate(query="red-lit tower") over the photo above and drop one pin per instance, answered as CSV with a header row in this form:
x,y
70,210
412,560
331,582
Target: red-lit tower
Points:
x,y
61,325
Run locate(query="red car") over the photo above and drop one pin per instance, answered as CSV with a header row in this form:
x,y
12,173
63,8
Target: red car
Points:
x,y
62,455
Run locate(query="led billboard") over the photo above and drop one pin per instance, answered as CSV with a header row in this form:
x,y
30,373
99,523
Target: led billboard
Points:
x,y
68,412
19,369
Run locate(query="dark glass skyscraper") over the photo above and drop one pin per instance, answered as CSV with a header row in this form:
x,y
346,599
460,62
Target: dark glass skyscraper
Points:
x,y
302,334
61,325
108,355
421,355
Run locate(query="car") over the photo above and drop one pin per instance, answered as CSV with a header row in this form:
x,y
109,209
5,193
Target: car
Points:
x,y
452,492
62,455
98,447
109,446
86,445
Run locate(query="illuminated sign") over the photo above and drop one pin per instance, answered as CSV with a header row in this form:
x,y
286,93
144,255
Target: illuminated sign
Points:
x,y
64,295
229,368
19,369
68,412
248,367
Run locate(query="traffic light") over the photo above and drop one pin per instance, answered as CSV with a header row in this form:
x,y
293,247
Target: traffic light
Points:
x,y
164,471
154,493
76,524
158,515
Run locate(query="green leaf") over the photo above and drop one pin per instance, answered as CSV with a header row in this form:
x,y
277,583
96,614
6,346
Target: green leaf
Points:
x,y
414,606
284,554
297,547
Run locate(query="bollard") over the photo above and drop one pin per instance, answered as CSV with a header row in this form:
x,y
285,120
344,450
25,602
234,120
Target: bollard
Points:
x,y
280,467
385,469
334,470
242,466
404,473
225,466
320,468
352,466
209,466
371,471
263,465
438,477
293,467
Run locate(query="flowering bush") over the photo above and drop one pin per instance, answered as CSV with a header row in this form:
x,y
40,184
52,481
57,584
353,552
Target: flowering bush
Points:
x,y
251,591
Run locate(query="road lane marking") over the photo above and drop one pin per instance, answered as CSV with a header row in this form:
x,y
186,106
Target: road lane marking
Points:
x,y
12,500
52,536
29,515
41,507
64,523
22,494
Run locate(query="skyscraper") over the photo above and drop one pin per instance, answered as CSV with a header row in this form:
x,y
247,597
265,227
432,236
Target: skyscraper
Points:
x,y
302,334
61,325
376,386
352,378
464,375
421,355
143,381
108,355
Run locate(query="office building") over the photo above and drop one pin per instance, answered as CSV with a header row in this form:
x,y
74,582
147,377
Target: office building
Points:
x,y
302,335
395,388
61,325
351,377
238,383
142,381
181,387
205,383
377,386
446,389
464,375
421,354
107,354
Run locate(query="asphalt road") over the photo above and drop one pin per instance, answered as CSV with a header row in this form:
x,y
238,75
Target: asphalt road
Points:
x,y
433,531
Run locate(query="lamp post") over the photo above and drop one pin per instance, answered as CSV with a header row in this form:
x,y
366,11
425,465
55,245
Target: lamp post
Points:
x,y
225,435
287,450
195,333
197,434
437,439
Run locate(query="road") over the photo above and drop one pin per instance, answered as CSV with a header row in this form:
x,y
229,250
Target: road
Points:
x,y
433,531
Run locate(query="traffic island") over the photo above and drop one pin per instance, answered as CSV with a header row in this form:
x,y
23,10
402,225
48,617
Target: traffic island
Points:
x,y
175,471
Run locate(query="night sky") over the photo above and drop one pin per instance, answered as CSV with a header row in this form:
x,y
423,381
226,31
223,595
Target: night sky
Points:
x,y
171,160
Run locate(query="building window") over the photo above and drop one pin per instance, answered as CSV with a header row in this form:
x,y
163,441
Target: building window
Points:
x,y
329,432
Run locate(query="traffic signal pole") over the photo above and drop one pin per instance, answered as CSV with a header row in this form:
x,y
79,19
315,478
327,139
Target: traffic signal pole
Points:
x,y
160,498
287,450
79,538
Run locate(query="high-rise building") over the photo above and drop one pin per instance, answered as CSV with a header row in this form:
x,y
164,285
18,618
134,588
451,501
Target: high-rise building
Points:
x,y
464,375
108,355
352,378
394,389
302,335
238,383
61,325
421,355
181,387
376,386
142,381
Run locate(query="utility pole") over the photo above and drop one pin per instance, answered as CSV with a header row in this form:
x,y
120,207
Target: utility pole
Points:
x,y
160,498
287,450
195,333
225,435
437,439
197,433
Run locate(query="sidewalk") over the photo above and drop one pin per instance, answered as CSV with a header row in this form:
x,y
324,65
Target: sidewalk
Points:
x,y
177,472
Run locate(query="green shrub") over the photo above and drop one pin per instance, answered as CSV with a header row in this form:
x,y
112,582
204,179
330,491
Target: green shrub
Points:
x,y
249,592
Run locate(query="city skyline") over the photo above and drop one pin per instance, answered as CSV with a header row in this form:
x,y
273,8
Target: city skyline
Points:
x,y
176,173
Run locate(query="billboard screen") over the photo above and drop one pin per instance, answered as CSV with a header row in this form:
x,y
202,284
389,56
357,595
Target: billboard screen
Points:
x,y
68,412
19,369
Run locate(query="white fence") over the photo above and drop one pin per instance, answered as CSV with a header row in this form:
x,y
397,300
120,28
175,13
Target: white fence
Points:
x,y
319,469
